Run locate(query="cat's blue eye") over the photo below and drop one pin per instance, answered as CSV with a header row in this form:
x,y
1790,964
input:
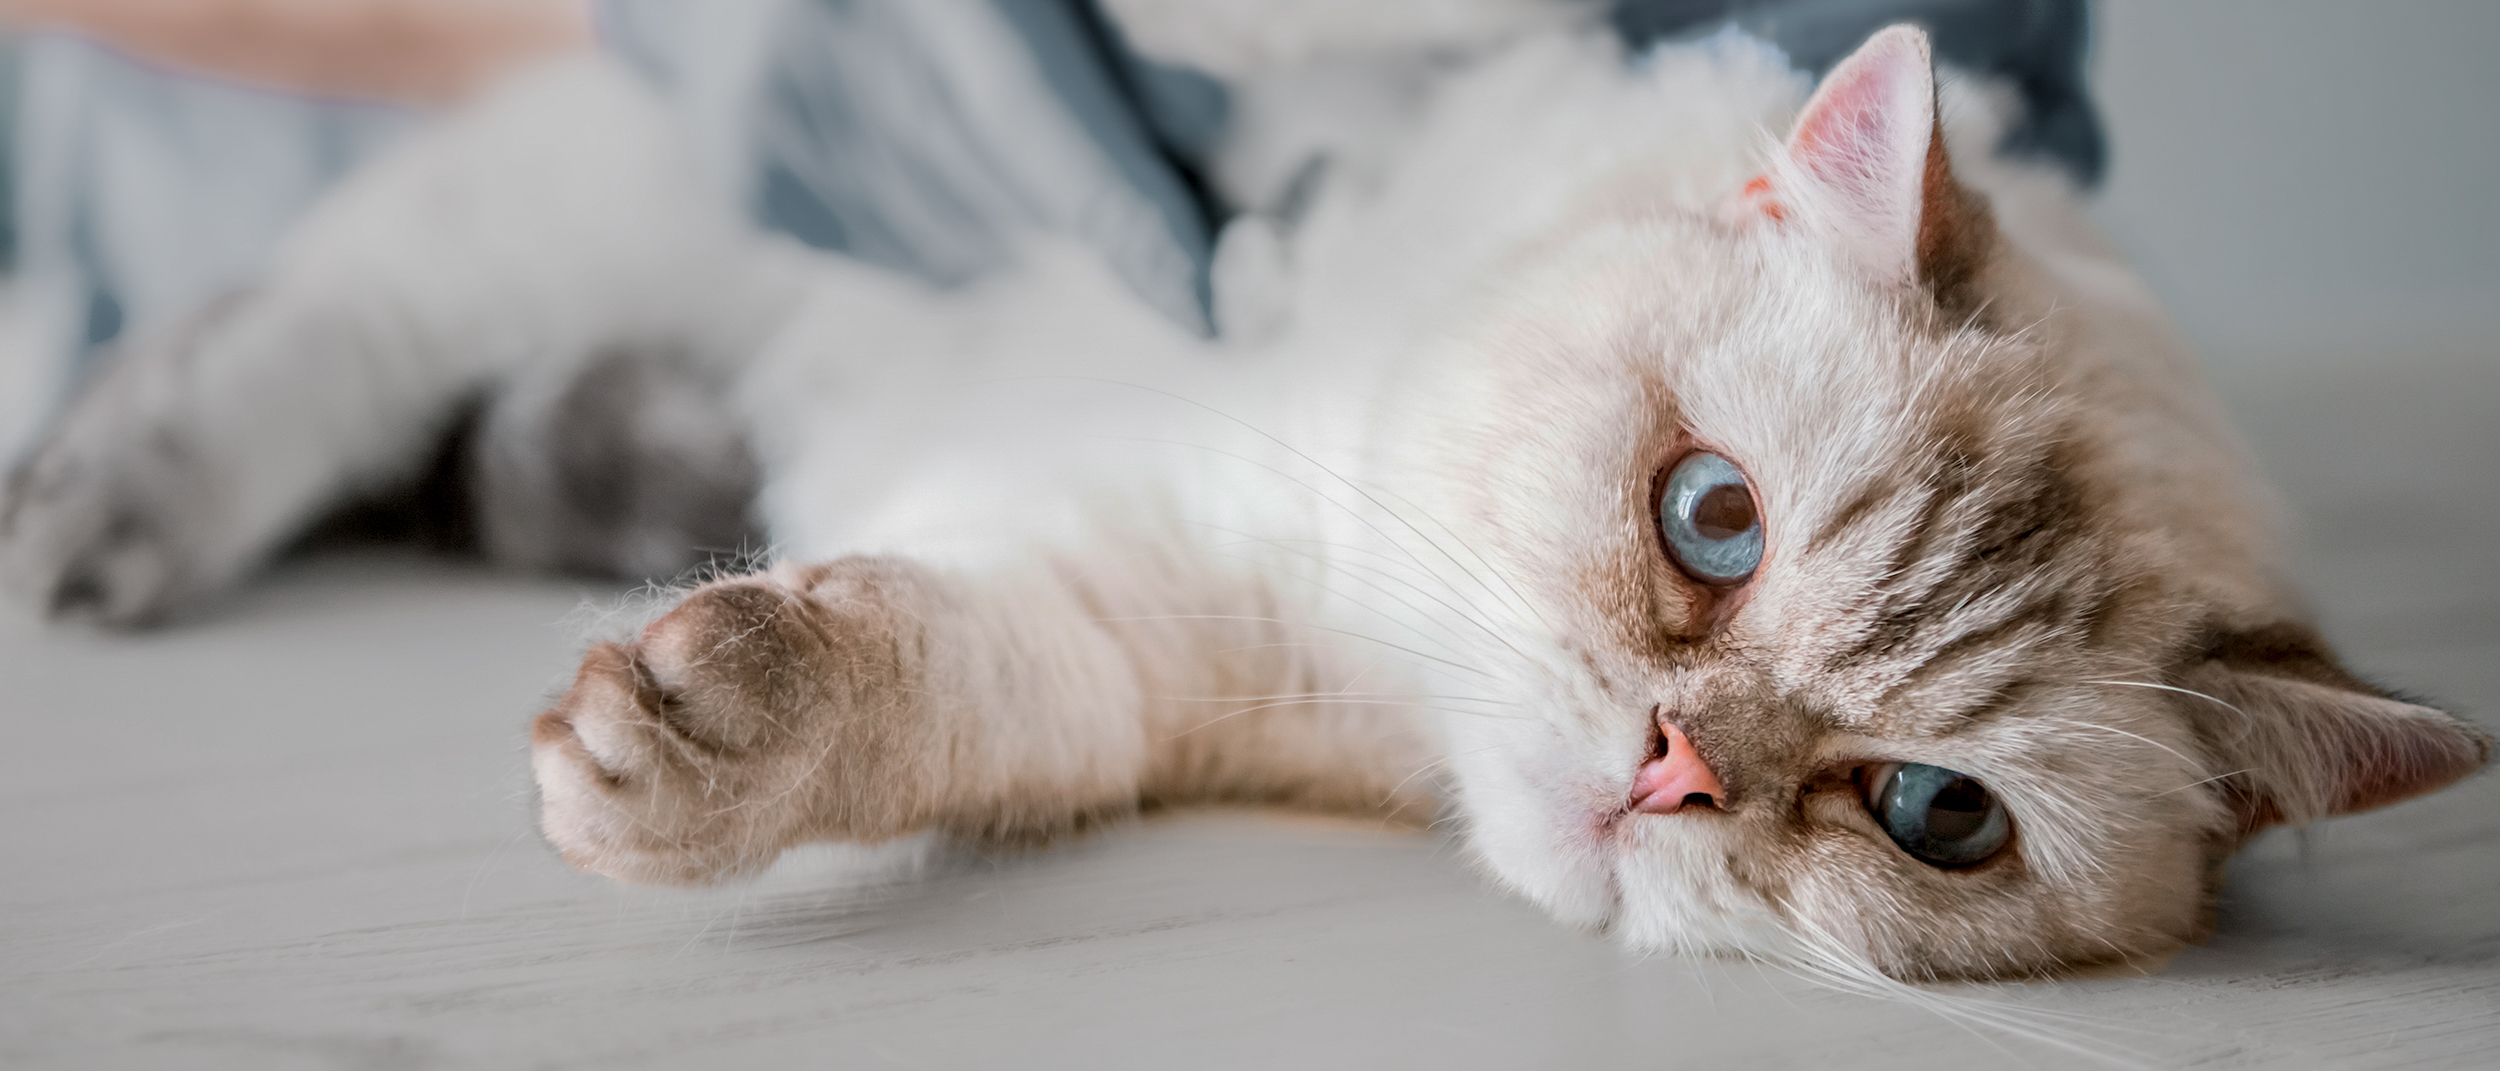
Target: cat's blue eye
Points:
x,y
1707,514
1944,817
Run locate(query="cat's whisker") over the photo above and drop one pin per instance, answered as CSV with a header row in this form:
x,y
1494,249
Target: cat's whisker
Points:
x,y
1435,764
2200,781
1315,492
1498,574
1297,624
1829,961
1313,462
1401,621
1274,647
1328,695
2246,722
1380,563
1381,571
2191,761
1462,615
1349,702
1454,638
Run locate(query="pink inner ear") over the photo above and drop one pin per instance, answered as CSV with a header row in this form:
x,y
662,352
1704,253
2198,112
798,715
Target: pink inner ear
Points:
x,y
1863,141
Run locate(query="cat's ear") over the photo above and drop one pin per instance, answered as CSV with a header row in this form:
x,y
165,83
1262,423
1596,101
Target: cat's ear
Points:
x,y
1866,164
2302,739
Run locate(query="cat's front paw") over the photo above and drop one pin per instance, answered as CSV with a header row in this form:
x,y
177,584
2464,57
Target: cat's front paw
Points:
x,y
754,716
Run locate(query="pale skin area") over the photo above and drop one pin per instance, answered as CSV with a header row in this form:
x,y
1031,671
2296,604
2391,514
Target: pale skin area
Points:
x,y
424,52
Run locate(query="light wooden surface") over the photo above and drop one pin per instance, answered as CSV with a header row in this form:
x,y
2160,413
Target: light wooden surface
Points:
x,y
299,834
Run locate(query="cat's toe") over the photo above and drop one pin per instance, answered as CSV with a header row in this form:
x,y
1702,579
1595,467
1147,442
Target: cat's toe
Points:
x,y
743,721
641,777
735,658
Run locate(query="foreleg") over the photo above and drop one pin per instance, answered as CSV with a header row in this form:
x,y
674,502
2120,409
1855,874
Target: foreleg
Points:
x,y
870,697
552,216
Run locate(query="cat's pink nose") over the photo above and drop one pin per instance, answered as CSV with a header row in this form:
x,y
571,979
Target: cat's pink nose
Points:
x,y
1675,778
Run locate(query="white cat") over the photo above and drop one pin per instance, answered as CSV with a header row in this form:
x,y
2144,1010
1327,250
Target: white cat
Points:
x,y
1816,550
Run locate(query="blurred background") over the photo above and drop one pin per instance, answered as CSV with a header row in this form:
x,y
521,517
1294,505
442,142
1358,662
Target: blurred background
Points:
x,y
2307,180
2303,180
2313,187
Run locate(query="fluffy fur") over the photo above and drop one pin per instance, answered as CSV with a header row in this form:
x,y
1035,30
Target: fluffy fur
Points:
x,y
1047,557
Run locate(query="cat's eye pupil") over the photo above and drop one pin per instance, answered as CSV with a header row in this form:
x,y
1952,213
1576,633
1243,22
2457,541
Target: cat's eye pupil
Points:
x,y
1710,520
1724,512
1943,817
1958,810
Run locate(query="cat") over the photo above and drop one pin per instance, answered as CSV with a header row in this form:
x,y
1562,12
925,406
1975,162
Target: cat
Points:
x,y
1803,555
1819,550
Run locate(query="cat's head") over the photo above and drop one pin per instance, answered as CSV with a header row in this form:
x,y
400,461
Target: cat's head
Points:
x,y
1858,599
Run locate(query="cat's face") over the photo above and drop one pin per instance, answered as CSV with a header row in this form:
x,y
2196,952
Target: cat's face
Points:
x,y
1841,629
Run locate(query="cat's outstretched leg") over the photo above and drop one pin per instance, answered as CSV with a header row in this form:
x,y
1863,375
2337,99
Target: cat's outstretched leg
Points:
x,y
551,217
869,697
859,700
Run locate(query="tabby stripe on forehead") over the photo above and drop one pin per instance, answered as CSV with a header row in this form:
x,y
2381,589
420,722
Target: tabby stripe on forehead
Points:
x,y
1894,611
1905,615
2052,616
2029,521
1848,516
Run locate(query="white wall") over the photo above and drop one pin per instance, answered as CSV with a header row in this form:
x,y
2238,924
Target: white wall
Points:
x,y
2306,177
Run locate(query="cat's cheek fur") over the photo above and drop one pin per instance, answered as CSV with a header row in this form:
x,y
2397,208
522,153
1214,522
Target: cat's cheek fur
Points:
x,y
1556,855
1683,888
1538,814
1997,918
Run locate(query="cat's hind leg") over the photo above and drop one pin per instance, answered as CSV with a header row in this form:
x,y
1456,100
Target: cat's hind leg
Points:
x,y
629,462
548,218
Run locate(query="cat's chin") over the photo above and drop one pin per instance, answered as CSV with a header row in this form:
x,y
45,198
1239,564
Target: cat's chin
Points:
x,y
1673,891
1560,861
1643,880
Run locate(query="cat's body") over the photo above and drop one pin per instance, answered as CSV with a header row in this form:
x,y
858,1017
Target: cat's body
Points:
x,y
1047,556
